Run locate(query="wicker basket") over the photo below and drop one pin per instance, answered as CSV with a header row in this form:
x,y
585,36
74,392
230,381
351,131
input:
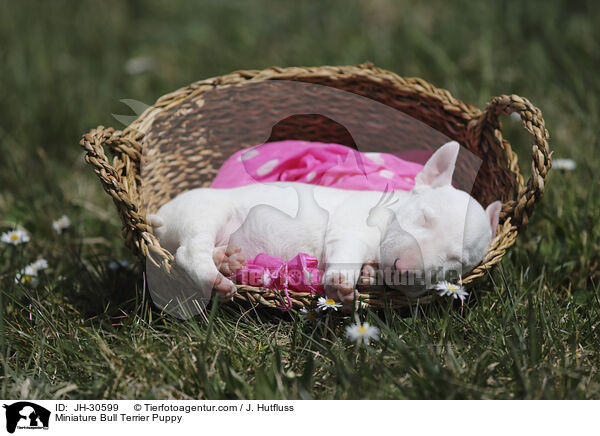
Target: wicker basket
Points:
x,y
174,119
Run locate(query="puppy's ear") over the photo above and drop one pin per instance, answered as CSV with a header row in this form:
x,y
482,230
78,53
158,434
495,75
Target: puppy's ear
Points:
x,y
439,168
493,214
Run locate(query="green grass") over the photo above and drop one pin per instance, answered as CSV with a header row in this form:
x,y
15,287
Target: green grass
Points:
x,y
528,331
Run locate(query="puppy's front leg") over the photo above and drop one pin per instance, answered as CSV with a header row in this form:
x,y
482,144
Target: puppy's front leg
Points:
x,y
196,257
345,257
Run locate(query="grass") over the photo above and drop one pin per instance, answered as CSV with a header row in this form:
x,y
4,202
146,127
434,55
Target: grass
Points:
x,y
86,331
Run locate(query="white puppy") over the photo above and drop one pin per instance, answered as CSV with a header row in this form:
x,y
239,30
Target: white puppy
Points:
x,y
433,228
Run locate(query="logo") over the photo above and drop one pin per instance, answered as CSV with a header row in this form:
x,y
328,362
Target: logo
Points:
x,y
26,415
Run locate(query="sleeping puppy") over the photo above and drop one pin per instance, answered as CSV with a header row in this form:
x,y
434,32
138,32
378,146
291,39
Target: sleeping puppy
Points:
x,y
417,237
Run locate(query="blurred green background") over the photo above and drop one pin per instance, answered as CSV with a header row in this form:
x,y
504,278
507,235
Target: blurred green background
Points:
x,y
65,66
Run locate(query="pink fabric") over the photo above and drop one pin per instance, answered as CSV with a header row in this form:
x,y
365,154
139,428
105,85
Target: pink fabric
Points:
x,y
319,164
300,274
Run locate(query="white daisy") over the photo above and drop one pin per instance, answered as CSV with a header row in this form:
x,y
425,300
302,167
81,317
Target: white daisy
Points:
x,y
15,237
564,164
25,279
61,224
451,290
362,332
28,276
38,265
328,303
139,65
309,315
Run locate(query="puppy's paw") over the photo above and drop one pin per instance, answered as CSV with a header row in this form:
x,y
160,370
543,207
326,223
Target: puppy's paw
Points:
x,y
223,287
155,220
229,259
368,275
338,287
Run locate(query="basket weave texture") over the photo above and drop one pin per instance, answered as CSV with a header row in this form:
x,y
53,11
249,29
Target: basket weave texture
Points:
x,y
150,149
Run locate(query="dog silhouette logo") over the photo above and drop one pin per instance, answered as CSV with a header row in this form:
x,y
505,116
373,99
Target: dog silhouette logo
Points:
x,y
26,415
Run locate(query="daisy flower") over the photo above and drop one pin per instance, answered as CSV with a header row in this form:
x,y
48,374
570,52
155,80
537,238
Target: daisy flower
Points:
x,y
309,315
328,303
25,279
61,224
362,332
15,237
139,65
564,164
39,265
28,275
451,290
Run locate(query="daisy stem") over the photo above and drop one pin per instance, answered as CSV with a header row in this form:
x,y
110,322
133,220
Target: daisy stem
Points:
x,y
361,350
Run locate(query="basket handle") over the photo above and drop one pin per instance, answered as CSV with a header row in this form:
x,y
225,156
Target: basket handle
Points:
x,y
119,181
116,184
94,143
488,123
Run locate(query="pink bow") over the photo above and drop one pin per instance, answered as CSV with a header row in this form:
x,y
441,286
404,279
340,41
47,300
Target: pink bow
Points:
x,y
300,274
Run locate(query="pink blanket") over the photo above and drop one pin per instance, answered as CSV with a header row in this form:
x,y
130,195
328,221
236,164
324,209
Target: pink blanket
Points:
x,y
319,164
